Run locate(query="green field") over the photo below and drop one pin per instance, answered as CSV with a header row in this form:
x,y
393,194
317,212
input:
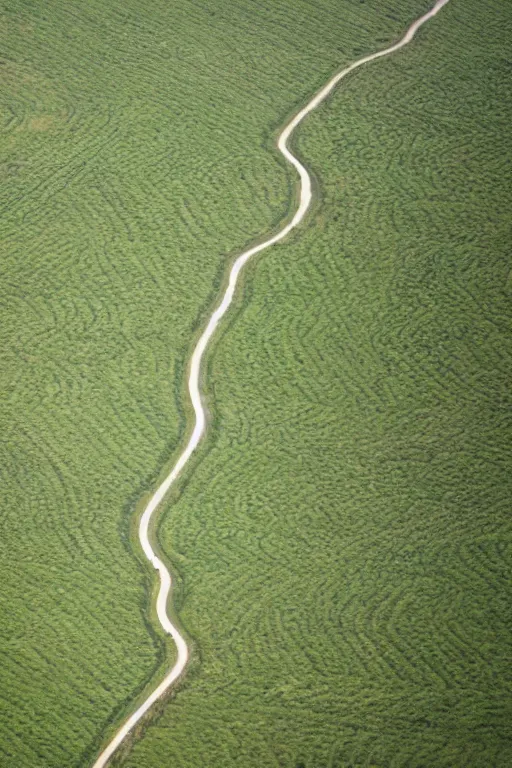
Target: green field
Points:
x,y
343,545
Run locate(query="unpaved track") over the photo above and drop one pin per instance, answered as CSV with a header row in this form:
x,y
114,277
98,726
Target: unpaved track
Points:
x,y
195,392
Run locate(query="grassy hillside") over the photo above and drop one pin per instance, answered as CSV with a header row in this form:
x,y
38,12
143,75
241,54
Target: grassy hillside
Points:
x,y
136,157
345,545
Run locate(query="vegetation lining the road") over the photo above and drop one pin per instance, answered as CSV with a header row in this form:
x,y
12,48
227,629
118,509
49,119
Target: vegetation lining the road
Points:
x,y
149,517
346,543
136,153
374,353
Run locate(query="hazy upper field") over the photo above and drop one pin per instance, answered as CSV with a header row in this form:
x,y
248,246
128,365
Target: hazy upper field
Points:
x,y
343,546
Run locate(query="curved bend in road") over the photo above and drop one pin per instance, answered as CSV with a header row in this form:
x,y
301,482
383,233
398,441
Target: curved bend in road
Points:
x,y
195,392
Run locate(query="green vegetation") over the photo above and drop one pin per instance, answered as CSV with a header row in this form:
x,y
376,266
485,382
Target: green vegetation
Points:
x,y
343,546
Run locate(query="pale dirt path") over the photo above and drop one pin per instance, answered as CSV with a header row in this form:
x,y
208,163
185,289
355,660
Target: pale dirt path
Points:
x,y
195,392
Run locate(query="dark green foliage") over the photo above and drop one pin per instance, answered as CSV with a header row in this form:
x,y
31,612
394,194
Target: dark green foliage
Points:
x,y
344,545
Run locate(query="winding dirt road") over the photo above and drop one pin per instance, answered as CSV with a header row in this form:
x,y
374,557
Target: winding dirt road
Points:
x,y
195,392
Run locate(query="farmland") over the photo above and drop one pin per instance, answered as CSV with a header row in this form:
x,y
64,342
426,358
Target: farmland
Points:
x,y
345,545
342,545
